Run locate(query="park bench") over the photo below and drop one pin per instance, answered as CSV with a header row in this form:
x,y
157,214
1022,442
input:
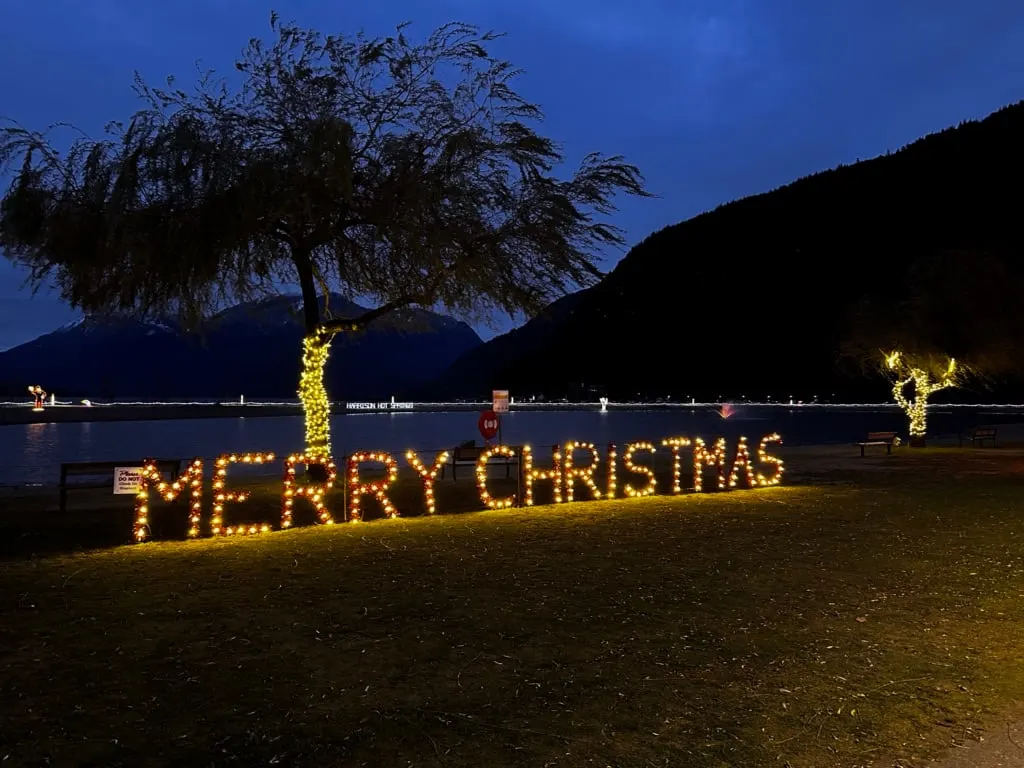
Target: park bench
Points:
x,y
979,435
98,469
878,438
468,454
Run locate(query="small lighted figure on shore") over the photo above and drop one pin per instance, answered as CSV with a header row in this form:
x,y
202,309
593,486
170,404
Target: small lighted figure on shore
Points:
x,y
40,395
727,410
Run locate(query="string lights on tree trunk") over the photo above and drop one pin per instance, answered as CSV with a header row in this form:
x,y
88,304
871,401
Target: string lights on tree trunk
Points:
x,y
316,404
908,375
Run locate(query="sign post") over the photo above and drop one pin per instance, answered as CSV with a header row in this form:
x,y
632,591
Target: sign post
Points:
x,y
499,404
127,480
489,423
499,401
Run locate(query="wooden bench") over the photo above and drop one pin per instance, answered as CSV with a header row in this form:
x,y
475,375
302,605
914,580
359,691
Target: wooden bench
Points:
x,y
878,438
979,435
469,454
94,469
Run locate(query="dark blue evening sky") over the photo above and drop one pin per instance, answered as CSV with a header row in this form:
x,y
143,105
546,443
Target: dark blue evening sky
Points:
x,y
713,100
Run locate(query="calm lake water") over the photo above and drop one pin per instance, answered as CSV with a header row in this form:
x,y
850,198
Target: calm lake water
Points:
x,y
33,453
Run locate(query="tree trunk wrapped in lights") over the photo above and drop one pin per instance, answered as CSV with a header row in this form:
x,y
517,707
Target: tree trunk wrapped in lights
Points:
x,y
316,404
925,383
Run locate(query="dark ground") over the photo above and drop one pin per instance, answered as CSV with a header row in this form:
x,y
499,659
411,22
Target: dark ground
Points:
x,y
869,614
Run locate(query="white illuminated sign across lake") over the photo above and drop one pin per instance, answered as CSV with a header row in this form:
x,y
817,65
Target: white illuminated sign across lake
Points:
x,y
382,406
572,466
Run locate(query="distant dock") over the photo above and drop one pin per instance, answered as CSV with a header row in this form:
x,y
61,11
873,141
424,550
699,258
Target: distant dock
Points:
x,y
13,414
18,413
23,413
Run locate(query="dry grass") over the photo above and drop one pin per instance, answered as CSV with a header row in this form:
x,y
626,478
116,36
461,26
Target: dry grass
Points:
x,y
862,618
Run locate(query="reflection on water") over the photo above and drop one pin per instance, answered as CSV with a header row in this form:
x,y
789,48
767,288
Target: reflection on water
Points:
x,y
34,452
38,446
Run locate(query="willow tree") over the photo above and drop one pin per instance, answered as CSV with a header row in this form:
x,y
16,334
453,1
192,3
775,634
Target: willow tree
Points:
x,y
955,317
397,172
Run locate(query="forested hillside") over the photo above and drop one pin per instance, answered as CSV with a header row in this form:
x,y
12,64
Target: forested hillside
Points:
x,y
753,297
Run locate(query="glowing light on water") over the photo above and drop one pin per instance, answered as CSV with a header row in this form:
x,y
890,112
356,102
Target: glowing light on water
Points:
x,y
727,410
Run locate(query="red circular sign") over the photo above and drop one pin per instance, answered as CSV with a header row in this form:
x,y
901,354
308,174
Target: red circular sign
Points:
x,y
488,424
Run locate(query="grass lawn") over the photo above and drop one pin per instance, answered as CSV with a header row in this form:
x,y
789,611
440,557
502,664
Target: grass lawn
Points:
x,y
871,614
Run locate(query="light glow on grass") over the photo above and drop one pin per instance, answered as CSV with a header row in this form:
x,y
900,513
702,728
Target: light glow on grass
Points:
x,y
829,624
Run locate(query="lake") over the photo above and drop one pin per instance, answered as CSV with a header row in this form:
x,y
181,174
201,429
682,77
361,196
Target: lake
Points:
x,y
32,453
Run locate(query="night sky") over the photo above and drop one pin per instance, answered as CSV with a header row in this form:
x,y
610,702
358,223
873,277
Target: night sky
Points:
x,y
713,100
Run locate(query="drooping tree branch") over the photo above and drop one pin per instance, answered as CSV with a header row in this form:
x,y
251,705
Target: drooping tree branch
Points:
x,y
403,172
360,323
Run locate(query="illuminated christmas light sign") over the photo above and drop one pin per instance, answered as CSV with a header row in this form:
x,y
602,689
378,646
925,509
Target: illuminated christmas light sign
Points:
x,y
571,472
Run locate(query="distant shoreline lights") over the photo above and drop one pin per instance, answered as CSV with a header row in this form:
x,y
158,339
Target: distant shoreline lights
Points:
x,y
567,475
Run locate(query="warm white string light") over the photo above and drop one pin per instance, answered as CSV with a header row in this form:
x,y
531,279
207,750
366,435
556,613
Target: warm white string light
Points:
x,y
384,406
585,475
702,457
532,474
613,461
377,488
676,444
150,476
639,469
313,491
222,496
563,473
428,476
481,477
925,385
764,457
742,461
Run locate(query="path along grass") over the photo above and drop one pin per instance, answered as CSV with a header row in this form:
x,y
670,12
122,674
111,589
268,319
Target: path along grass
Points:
x,y
870,616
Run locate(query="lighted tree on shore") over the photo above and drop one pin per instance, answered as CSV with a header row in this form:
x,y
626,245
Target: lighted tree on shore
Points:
x,y
955,317
398,172
915,378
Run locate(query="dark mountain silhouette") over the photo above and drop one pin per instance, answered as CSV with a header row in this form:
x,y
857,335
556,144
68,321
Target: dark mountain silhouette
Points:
x,y
464,377
252,349
753,297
